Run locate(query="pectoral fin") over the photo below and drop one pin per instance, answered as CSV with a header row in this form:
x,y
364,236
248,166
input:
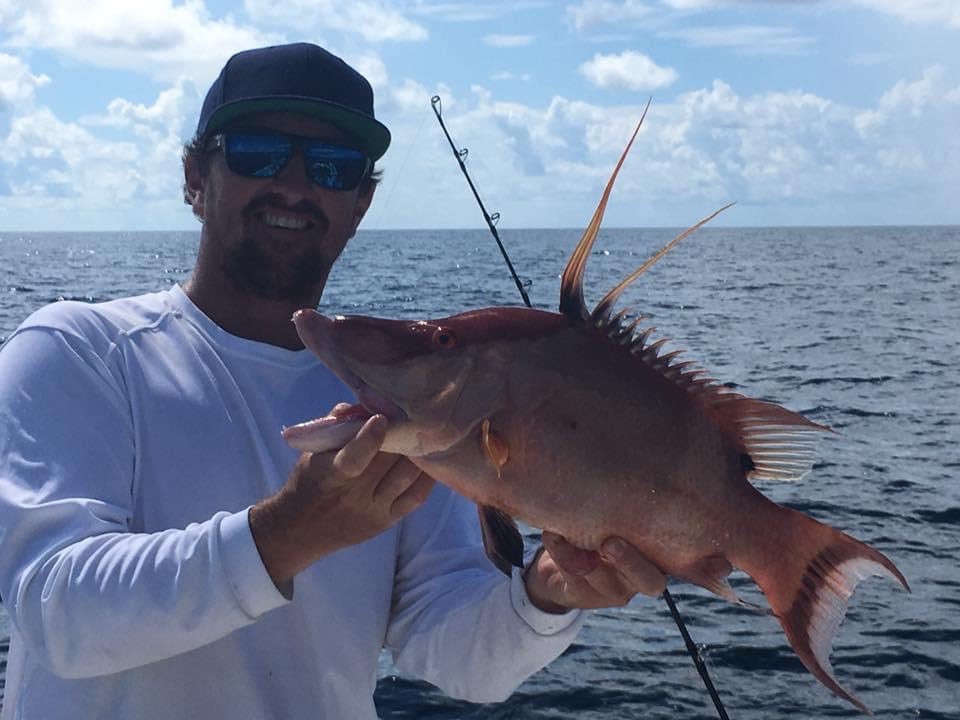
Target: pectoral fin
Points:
x,y
496,448
501,539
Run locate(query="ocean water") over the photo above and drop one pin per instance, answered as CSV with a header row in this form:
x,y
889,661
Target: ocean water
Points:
x,y
855,327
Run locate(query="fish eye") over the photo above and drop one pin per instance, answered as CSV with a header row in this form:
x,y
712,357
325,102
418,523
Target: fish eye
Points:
x,y
444,339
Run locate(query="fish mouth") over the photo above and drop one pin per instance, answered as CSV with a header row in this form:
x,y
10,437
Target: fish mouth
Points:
x,y
316,331
371,402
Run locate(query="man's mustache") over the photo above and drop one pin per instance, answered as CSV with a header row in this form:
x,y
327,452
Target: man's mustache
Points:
x,y
274,201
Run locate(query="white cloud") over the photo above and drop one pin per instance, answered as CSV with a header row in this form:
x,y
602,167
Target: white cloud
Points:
x,y
373,20
631,70
590,13
57,164
474,11
746,39
919,11
537,163
691,4
170,110
372,67
17,84
775,147
409,96
496,40
153,37
770,151
67,166
912,98
508,75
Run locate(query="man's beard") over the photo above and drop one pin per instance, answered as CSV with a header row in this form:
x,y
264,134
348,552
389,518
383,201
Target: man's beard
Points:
x,y
256,269
287,271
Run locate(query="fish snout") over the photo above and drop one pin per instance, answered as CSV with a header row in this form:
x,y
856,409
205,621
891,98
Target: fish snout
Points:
x,y
314,330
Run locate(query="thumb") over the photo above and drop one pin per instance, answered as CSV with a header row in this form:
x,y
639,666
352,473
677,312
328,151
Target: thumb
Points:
x,y
569,558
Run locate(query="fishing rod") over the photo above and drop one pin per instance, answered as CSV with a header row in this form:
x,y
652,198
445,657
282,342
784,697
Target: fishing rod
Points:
x,y
461,154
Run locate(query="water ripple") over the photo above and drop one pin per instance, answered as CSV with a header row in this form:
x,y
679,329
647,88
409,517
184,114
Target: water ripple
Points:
x,y
856,326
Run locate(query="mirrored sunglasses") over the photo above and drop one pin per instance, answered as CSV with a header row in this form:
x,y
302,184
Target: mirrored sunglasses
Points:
x,y
263,155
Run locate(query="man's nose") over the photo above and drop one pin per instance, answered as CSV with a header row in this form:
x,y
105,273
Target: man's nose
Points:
x,y
292,181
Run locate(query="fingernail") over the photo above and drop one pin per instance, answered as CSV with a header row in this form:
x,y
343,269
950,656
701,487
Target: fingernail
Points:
x,y
616,549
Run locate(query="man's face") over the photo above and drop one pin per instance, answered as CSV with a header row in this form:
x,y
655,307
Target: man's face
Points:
x,y
278,237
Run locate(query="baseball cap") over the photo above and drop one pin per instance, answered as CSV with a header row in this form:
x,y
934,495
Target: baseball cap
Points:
x,y
299,77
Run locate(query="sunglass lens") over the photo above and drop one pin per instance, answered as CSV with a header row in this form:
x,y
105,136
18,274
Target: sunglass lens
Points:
x,y
257,155
333,167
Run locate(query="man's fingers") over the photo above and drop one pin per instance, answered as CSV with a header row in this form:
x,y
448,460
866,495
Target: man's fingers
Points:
x,y
339,409
356,455
414,496
397,478
638,574
569,558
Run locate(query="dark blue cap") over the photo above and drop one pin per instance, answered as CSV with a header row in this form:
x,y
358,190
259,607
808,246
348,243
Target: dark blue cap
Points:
x,y
298,78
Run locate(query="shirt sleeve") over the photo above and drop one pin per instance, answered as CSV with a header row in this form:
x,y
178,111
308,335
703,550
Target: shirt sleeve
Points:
x,y
457,621
87,595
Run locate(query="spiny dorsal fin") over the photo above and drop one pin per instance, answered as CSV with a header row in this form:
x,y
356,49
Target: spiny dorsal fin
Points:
x,y
572,303
603,307
779,443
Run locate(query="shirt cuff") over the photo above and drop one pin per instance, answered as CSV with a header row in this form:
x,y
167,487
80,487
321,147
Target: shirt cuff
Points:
x,y
542,623
252,585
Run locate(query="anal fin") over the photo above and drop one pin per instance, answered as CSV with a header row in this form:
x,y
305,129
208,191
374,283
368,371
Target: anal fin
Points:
x,y
502,540
711,573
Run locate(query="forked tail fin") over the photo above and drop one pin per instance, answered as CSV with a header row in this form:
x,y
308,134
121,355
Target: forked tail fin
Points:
x,y
809,588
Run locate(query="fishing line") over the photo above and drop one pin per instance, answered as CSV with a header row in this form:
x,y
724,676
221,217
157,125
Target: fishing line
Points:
x,y
461,154
403,163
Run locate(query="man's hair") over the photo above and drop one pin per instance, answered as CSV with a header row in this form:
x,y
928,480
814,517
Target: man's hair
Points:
x,y
196,151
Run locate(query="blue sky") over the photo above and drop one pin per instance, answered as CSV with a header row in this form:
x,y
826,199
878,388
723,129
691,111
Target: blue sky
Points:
x,y
805,112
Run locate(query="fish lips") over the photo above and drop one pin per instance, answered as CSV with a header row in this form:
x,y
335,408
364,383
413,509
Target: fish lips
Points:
x,y
317,333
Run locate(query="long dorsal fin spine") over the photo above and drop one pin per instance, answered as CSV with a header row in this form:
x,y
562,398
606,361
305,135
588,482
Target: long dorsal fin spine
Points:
x,y
603,307
572,303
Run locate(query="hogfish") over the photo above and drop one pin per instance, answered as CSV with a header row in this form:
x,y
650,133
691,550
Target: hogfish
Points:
x,y
579,423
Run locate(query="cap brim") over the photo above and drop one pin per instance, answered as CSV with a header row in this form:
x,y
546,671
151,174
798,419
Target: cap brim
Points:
x,y
372,135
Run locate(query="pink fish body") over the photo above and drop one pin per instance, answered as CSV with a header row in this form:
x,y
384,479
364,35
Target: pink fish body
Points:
x,y
575,422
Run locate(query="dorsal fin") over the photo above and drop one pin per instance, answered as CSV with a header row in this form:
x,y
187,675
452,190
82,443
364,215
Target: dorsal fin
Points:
x,y
778,444
604,306
571,285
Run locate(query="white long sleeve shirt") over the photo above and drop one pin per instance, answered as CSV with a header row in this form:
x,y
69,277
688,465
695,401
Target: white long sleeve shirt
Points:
x,y
134,436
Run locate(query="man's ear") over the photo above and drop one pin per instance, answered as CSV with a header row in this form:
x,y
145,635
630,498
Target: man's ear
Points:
x,y
364,199
193,175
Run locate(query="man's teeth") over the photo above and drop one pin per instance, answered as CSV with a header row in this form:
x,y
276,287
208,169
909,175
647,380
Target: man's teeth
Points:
x,y
284,221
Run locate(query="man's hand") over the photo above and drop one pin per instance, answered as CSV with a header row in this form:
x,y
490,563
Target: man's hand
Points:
x,y
564,576
335,499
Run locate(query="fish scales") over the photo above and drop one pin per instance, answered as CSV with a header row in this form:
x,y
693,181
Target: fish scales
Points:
x,y
576,422
650,445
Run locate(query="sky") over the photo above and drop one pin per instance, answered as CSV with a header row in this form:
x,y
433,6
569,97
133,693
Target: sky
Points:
x,y
803,112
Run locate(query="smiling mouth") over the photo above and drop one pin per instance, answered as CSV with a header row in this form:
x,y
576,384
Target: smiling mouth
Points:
x,y
283,221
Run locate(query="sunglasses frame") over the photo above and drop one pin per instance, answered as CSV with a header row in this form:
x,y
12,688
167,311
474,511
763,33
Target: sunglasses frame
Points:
x,y
298,144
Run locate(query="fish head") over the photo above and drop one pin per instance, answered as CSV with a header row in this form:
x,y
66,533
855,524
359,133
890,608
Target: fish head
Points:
x,y
435,380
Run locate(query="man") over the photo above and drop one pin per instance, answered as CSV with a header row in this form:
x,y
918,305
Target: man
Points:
x,y
163,553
